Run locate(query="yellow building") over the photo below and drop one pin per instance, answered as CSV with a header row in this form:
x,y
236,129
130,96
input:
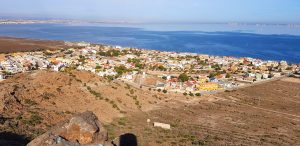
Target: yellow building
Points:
x,y
210,86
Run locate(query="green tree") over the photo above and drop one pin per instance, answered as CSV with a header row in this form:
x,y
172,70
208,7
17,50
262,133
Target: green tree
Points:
x,y
198,94
183,77
212,75
227,75
161,68
98,67
165,91
121,69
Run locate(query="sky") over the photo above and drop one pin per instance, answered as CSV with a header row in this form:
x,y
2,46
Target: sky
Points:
x,y
187,11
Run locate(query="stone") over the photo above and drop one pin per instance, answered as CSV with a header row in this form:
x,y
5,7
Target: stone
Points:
x,y
81,129
162,125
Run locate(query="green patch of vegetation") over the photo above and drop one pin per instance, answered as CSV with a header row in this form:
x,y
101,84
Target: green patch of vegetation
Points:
x,y
68,112
183,77
227,75
216,67
134,97
109,78
127,86
191,94
82,59
121,70
122,121
136,62
110,53
6,73
165,91
198,94
30,102
69,69
47,95
34,119
96,94
161,68
110,131
137,102
19,117
199,142
131,91
72,75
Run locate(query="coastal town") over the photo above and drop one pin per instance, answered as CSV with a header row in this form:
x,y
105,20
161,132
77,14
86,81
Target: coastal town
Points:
x,y
184,73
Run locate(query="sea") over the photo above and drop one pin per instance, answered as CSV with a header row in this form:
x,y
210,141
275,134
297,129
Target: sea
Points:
x,y
267,42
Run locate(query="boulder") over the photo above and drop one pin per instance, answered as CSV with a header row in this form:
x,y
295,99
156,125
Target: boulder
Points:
x,y
81,129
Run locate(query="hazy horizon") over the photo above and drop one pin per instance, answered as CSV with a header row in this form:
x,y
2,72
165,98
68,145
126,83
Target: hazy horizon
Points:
x,y
156,11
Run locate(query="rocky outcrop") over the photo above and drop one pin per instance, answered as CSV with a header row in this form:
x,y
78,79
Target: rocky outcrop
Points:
x,y
81,129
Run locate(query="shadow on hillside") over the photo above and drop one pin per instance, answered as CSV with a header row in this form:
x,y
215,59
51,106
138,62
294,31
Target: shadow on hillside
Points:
x,y
9,138
128,139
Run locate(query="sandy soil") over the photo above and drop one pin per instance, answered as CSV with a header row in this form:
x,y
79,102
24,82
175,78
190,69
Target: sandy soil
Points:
x,y
266,114
293,80
9,44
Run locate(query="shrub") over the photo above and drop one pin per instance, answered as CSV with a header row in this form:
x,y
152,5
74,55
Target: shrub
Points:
x,y
165,91
121,69
122,121
185,94
137,102
227,75
34,120
198,94
131,91
134,97
115,105
98,95
19,117
58,89
30,102
159,90
47,95
183,77
89,88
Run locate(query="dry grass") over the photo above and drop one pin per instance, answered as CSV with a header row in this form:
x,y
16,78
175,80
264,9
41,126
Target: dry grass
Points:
x,y
11,45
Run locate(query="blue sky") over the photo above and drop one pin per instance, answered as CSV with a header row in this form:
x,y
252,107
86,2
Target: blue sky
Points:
x,y
277,11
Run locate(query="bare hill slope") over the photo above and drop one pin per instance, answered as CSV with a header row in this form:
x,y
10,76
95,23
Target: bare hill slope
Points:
x,y
33,102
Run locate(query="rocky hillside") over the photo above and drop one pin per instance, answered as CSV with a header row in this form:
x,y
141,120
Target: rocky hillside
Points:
x,y
31,103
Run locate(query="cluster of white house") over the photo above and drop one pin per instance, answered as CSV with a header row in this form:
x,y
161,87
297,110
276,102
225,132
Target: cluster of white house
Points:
x,y
163,65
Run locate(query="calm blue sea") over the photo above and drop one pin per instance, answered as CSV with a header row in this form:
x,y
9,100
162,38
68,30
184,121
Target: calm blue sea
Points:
x,y
264,42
